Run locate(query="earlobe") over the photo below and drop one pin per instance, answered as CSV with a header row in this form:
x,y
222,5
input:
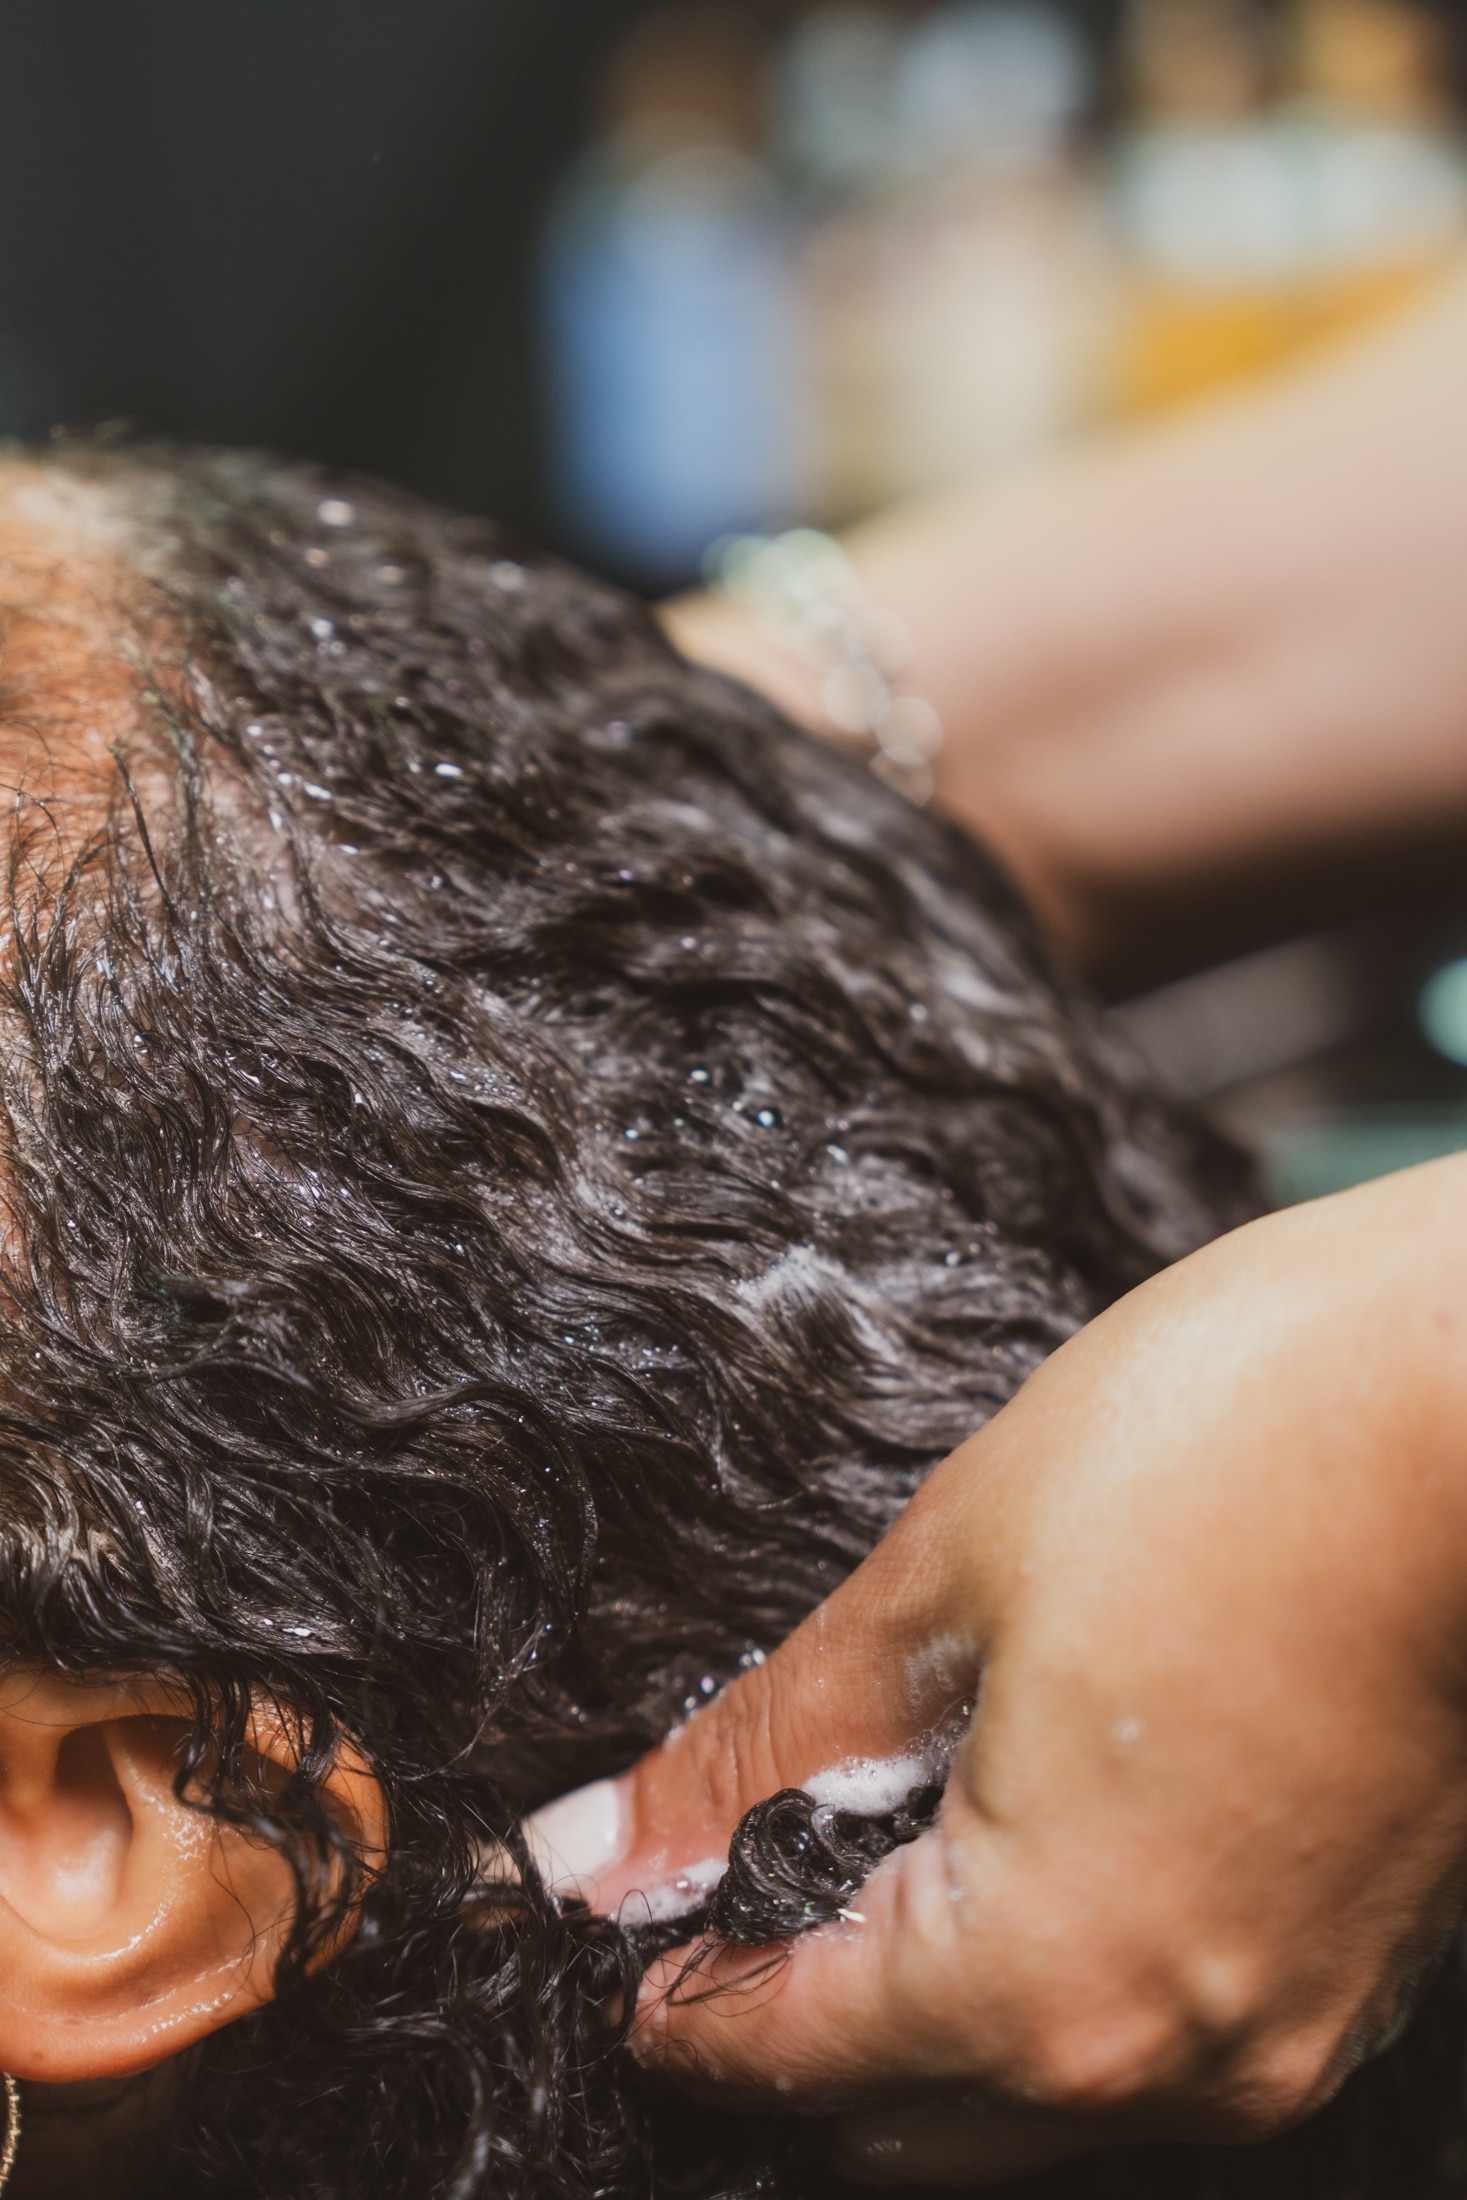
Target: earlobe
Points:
x,y
130,1923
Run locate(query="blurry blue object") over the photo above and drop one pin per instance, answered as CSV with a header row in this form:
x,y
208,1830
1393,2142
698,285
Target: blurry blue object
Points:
x,y
673,356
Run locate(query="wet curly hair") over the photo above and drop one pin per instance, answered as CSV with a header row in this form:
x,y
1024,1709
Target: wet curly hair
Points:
x,y
515,1173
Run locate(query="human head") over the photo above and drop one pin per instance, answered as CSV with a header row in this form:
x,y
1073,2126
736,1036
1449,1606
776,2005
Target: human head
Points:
x,y
514,1163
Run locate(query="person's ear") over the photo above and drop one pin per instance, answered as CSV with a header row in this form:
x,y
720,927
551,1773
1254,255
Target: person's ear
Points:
x,y
130,1923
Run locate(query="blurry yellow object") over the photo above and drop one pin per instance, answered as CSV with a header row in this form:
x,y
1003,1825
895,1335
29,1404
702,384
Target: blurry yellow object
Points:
x,y
1178,343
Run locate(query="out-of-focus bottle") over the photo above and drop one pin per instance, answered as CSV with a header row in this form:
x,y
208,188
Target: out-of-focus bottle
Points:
x,y
676,391
1281,177
1379,155
1204,200
839,150
993,268
950,264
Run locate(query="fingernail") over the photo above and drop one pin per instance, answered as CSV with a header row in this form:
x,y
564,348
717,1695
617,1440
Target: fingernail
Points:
x,y
579,1836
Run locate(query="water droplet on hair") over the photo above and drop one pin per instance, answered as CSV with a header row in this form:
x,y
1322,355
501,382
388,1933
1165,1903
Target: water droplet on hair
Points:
x,y
699,1076
505,574
952,1260
838,1153
708,1685
917,1013
315,556
448,771
347,849
323,629
255,733
317,794
335,512
767,1119
688,940
434,881
626,877
631,1132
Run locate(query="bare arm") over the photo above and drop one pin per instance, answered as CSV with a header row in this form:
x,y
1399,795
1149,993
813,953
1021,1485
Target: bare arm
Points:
x,y
1237,637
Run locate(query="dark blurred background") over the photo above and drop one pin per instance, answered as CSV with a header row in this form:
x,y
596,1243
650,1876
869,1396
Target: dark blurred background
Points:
x,y
629,277
305,223
377,231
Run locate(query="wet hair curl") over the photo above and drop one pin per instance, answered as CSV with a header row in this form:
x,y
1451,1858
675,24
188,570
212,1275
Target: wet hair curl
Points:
x,y
516,1170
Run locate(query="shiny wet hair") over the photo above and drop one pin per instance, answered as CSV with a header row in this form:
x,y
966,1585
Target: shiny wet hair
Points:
x,y
517,1170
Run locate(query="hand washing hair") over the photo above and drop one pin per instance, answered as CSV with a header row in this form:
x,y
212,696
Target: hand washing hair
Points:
x,y
517,1162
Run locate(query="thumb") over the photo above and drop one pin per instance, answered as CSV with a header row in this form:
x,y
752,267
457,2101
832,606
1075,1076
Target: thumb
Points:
x,y
850,1706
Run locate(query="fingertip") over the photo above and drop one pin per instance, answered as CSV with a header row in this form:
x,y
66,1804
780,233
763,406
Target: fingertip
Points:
x,y
576,1840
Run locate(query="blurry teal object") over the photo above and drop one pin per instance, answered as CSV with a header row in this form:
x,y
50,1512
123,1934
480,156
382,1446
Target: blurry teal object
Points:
x,y
673,363
1442,1010
1309,1160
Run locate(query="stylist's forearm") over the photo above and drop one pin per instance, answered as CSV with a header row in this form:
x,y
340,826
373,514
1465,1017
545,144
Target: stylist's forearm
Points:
x,y
1233,639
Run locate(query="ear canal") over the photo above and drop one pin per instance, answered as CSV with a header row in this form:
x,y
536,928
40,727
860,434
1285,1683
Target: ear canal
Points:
x,y
66,1826
131,1923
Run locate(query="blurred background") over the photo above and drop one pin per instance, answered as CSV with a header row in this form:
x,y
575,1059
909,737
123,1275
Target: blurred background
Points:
x,y
814,260
631,277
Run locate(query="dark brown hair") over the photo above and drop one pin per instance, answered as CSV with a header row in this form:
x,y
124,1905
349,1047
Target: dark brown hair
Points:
x,y
517,1175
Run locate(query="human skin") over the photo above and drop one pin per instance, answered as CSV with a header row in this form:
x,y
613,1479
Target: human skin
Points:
x,y
1228,642
1207,1579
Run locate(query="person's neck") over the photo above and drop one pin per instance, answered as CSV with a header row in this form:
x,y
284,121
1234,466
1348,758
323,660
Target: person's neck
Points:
x,y
94,2141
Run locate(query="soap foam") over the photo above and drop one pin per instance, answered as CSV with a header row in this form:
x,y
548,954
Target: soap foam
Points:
x,y
871,1787
688,1890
